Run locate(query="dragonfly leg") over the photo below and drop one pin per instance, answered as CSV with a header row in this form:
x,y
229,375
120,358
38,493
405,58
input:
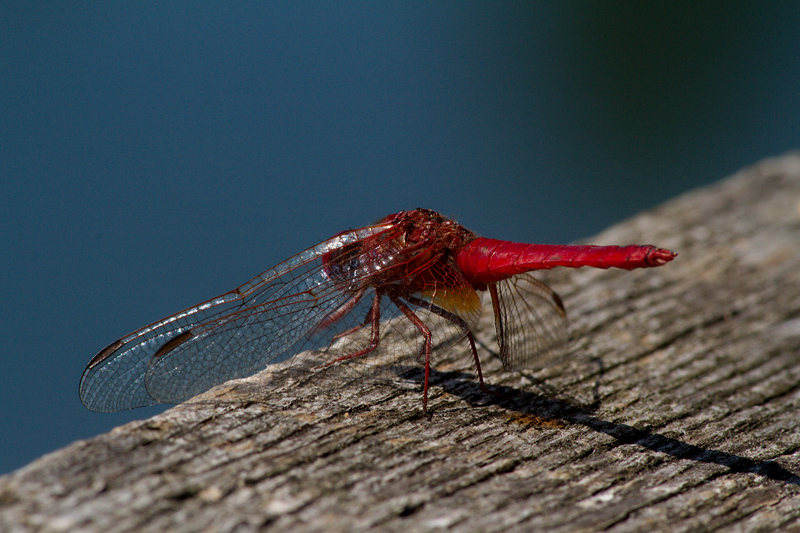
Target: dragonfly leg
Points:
x,y
374,315
345,308
367,320
460,322
426,334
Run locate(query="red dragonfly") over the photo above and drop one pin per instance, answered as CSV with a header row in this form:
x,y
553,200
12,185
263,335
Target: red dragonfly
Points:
x,y
415,277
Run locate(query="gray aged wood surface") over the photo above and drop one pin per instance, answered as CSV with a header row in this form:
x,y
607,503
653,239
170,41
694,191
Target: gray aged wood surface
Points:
x,y
676,409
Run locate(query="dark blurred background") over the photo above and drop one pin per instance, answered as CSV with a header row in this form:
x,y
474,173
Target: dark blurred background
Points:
x,y
156,154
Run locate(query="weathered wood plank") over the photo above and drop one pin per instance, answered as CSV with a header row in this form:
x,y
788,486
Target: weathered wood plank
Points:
x,y
675,410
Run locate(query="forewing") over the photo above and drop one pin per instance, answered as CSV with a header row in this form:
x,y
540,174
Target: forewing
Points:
x,y
443,301
530,321
245,341
230,336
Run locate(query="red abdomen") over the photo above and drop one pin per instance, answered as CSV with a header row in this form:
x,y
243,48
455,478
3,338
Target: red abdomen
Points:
x,y
489,260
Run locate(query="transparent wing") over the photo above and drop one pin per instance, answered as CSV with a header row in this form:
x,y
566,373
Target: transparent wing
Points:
x,y
440,298
233,335
530,321
445,287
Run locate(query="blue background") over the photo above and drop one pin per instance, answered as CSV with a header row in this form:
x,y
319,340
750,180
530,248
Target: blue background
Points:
x,y
156,154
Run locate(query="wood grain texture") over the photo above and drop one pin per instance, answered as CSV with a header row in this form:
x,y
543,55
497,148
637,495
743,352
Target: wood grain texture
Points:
x,y
676,409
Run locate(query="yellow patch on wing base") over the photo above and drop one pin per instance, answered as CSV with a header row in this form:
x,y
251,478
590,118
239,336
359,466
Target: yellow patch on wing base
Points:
x,y
459,299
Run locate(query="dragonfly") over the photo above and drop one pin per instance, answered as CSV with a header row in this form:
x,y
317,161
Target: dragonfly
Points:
x,y
398,292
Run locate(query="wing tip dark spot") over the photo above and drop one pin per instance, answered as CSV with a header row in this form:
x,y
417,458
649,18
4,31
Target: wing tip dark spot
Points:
x,y
104,353
173,343
559,304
